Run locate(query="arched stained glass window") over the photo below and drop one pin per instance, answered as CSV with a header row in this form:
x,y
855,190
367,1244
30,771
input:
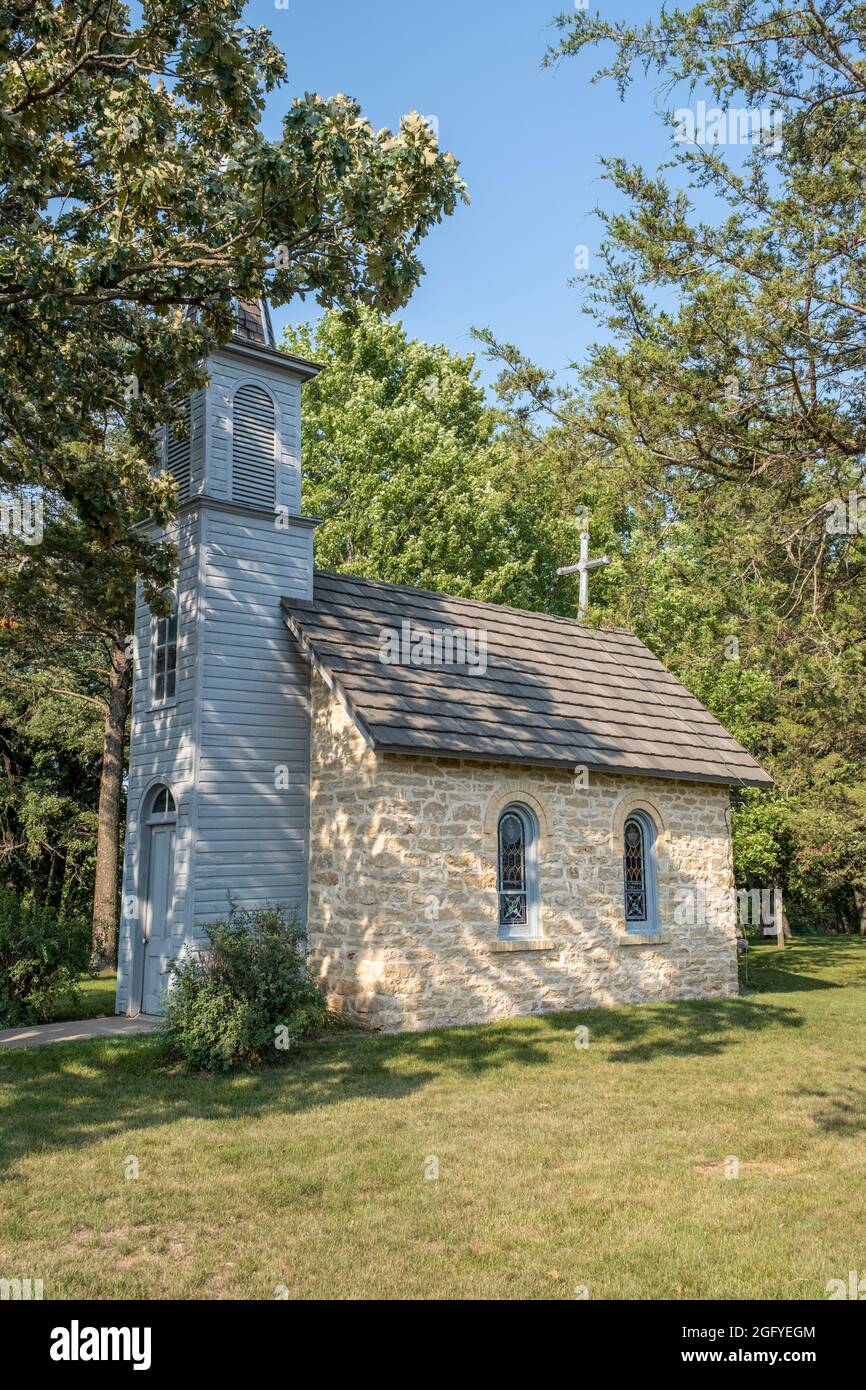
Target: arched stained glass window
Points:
x,y
635,872
641,893
517,872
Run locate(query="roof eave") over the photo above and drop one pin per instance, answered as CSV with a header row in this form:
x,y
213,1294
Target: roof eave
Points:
x,y
298,366
567,765
310,654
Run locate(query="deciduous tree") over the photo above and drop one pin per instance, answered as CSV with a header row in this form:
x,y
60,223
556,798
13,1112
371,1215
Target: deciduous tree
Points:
x,y
138,196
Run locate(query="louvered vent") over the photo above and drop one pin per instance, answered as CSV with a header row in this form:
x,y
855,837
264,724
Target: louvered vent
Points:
x,y
254,469
177,459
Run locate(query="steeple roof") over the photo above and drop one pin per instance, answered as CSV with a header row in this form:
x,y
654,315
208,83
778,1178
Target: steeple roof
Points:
x,y
253,334
253,322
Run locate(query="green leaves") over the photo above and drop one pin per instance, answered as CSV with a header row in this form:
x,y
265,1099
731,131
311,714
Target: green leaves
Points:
x,y
138,197
403,461
740,405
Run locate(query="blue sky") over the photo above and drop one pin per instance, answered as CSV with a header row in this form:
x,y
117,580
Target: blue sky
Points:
x,y
528,142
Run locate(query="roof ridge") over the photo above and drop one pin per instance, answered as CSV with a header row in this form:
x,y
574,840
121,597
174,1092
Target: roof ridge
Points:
x,y
476,602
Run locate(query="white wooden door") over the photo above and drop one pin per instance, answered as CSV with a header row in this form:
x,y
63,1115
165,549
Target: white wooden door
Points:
x,y
157,921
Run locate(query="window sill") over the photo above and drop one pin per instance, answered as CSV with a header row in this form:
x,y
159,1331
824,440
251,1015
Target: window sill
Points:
x,y
523,943
643,938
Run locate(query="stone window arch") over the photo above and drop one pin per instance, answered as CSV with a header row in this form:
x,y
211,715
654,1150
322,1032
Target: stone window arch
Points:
x,y
526,796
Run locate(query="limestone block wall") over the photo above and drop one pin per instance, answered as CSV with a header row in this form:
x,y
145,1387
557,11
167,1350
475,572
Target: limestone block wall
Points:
x,y
402,887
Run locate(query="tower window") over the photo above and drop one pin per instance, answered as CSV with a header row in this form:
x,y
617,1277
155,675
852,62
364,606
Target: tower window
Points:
x,y
164,663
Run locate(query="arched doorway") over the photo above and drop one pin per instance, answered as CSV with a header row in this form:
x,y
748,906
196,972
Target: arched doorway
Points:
x,y
157,907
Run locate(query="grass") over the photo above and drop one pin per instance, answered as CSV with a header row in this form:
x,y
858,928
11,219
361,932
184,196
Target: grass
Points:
x,y
96,1000
557,1167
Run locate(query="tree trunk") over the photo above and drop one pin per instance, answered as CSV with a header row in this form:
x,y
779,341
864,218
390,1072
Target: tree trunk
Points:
x,y
103,936
7,844
860,905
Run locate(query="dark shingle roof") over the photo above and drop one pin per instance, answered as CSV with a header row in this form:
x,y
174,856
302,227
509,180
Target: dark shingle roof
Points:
x,y
553,693
253,322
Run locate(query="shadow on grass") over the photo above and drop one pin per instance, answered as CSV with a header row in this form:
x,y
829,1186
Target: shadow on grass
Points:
x,y
807,963
841,1112
64,1096
71,1096
703,1028
776,978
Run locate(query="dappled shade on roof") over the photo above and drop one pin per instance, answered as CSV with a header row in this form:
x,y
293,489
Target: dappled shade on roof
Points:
x,y
553,693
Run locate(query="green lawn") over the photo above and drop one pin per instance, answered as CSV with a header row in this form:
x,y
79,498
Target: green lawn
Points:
x,y
97,998
557,1167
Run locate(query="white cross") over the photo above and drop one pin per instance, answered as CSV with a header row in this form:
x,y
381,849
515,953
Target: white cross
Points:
x,y
583,568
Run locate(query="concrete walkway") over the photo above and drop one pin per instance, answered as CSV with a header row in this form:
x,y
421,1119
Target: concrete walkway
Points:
x,y
114,1026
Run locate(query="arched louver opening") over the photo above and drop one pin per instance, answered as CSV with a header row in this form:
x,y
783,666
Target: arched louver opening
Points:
x,y
254,468
178,460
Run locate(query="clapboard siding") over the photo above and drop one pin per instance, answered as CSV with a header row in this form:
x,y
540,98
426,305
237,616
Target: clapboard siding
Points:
x,y
254,719
241,710
162,749
198,435
239,720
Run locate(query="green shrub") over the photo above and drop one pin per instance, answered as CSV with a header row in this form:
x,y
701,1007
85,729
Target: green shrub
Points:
x,y
246,997
42,957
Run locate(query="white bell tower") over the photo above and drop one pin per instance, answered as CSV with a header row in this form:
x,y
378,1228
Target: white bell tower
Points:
x,y
219,754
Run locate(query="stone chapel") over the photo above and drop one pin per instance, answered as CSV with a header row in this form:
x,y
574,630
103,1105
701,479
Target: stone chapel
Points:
x,y
475,811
